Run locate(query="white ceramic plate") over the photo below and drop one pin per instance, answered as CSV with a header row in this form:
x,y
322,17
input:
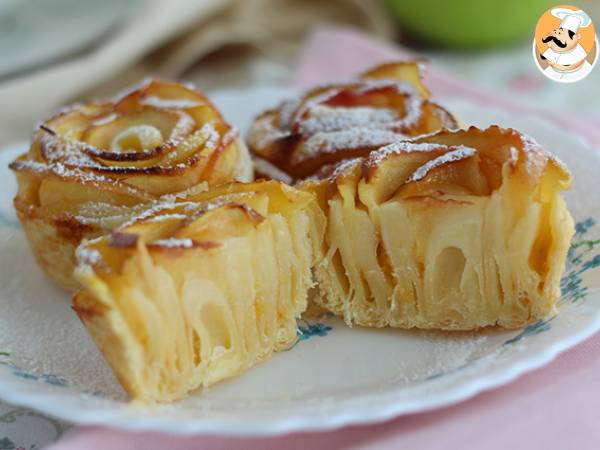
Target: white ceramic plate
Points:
x,y
334,375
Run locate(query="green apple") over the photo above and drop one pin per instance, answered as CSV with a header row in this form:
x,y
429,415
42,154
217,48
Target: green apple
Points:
x,y
469,23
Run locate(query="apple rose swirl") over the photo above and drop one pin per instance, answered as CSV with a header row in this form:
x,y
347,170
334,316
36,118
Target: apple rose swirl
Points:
x,y
340,121
200,289
454,230
92,166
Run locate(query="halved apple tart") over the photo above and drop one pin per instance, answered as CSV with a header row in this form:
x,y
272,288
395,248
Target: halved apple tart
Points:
x,y
344,120
454,230
89,164
200,289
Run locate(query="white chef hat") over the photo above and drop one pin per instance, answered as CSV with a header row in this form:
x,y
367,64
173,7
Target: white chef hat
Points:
x,y
572,20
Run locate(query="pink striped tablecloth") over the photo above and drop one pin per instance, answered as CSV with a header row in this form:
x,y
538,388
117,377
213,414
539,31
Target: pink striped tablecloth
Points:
x,y
555,407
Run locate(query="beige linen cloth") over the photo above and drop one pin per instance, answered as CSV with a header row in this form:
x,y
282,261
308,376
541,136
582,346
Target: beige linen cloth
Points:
x,y
215,43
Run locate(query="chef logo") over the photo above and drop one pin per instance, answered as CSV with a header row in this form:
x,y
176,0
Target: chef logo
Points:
x,y
565,47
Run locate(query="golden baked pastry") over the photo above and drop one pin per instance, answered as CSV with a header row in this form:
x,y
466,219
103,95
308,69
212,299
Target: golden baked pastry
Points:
x,y
89,164
201,289
456,230
331,123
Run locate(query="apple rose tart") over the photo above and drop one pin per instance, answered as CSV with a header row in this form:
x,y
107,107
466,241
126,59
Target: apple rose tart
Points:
x,y
331,123
456,230
201,289
91,165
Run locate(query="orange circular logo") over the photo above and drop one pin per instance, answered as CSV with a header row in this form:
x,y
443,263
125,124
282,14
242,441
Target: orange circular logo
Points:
x,y
565,46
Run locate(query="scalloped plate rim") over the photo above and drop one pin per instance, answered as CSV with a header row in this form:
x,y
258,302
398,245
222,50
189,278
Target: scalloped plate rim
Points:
x,y
157,423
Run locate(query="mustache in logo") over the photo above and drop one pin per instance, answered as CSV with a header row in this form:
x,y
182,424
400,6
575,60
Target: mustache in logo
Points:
x,y
558,42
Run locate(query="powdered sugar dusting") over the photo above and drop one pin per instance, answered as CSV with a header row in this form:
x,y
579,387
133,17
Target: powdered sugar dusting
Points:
x,y
184,126
380,155
167,103
66,151
212,135
346,165
207,136
169,149
327,128
531,147
174,243
456,153
293,110
334,171
60,152
40,331
173,198
327,118
82,176
352,139
87,256
317,117
401,87
158,209
448,352
166,217
413,101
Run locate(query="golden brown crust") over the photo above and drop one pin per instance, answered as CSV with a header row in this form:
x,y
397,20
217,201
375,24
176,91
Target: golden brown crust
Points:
x,y
91,166
341,121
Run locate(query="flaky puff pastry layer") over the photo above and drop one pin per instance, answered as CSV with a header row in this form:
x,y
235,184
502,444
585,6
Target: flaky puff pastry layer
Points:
x,y
456,230
91,163
344,120
202,289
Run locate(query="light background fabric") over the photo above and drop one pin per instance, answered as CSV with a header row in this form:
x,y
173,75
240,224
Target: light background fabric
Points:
x,y
165,39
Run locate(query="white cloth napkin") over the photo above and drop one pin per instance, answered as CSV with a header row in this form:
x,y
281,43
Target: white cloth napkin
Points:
x,y
173,36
